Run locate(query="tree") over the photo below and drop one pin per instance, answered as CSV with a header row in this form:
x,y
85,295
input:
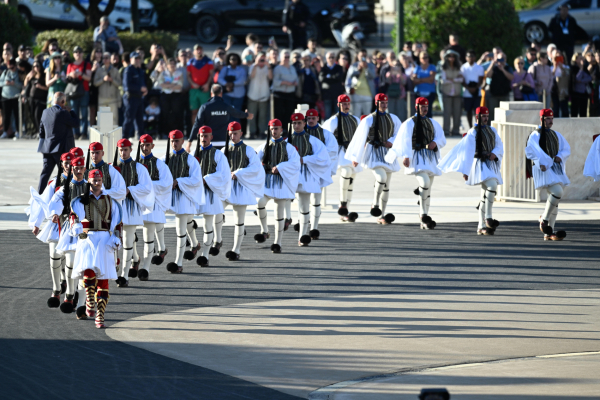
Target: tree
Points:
x,y
480,24
93,13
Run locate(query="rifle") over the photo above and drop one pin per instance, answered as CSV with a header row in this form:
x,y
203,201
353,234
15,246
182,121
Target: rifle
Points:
x,y
267,155
340,138
66,192
116,156
168,155
376,136
227,146
137,157
197,153
87,161
478,139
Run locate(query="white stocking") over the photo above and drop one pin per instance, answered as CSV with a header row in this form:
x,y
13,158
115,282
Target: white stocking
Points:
x,y
191,231
70,260
386,193
219,220
315,203
262,214
555,192
160,237
482,208
128,240
347,176
181,221
380,179
240,216
148,233
304,210
208,234
279,217
425,182
55,264
288,209
491,186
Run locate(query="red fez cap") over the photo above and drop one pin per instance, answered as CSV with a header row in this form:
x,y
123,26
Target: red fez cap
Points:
x,y
67,157
124,143
363,117
95,173
343,98
546,112
205,129
381,97
422,101
297,117
234,126
482,111
146,139
76,151
176,134
312,113
78,162
96,146
275,122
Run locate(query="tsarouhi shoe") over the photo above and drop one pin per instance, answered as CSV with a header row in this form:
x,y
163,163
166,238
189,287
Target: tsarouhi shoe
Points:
x,y
275,248
375,211
261,237
286,224
158,259
191,254
216,249
122,282
314,234
202,261
133,271
232,256
143,274
54,300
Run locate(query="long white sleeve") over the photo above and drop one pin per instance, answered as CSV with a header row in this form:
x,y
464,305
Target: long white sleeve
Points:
x,y
117,190
318,163
592,162
220,181
252,177
534,152
191,186
163,186
143,192
356,148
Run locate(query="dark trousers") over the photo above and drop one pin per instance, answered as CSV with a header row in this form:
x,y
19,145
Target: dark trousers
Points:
x,y
579,103
51,160
10,107
37,107
134,112
171,112
298,38
560,108
285,104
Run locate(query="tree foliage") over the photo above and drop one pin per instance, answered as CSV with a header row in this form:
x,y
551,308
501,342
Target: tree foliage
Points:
x,y
15,29
480,24
173,14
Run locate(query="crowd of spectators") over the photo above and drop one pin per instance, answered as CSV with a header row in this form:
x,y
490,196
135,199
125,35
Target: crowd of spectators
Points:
x,y
160,93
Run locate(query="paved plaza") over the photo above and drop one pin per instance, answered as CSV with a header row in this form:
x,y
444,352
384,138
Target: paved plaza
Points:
x,y
367,312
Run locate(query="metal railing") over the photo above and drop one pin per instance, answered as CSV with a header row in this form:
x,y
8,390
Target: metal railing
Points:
x,y
516,187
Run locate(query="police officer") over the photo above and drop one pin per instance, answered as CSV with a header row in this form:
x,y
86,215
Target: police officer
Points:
x,y
134,88
217,114
295,18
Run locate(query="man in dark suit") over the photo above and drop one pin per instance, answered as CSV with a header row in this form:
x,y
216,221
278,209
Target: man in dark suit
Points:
x,y
56,135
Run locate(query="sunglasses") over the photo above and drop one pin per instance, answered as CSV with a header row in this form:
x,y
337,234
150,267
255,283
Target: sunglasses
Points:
x,y
78,52
261,61
286,57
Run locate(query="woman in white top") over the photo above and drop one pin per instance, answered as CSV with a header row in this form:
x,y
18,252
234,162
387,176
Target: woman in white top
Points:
x,y
258,95
169,79
285,80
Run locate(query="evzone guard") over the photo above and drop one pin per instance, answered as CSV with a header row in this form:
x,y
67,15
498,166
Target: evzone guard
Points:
x,y
281,163
247,184
59,209
418,146
95,218
478,156
187,194
315,173
216,182
369,148
547,152
343,125
592,162
38,212
138,201
327,138
154,222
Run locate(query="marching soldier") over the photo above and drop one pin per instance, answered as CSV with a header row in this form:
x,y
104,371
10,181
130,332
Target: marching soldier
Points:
x,y
478,157
418,146
370,144
282,167
344,132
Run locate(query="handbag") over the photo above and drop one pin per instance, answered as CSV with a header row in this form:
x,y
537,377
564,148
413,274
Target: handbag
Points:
x,y
74,90
524,89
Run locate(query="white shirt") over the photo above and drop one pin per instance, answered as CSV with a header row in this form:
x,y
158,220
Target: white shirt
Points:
x,y
471,73
258,89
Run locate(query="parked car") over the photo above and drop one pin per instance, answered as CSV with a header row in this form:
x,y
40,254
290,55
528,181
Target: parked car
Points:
x,y
537,20
210,20
60,14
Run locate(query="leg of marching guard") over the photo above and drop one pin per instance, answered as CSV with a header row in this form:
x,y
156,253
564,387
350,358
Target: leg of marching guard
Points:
x,y
262,216
386,219
89,282
555,193
160,245
424,191
55,263
280,205
148,233
207,239
346,189
128,240
315,206
181,221
490,195
191,233
481,210
288,214
67,305
380,179
239,213
218,240
81,294
101,300
304,210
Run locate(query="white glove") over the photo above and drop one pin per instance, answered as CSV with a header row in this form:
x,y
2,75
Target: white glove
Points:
x,y
76,229
114,242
